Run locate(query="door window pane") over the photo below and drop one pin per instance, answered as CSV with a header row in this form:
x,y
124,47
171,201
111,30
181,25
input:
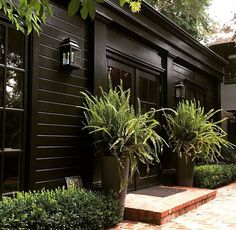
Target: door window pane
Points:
x,y
2,44
147,90
16,47
14,89
117,75
126,78
13,135
143,89
1,86
11,172
153,91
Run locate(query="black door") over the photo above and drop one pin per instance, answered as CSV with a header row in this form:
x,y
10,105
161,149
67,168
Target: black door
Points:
x,y
12,108
146,86
149,92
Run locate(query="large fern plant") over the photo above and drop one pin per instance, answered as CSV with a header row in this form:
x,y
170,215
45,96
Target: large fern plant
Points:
x,y
192,132
120,132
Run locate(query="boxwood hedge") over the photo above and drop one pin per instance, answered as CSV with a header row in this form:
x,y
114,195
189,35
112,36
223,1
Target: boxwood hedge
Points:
x,y
59,209
213,176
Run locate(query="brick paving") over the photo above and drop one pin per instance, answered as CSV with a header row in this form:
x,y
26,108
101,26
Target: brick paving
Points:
x,y
218,214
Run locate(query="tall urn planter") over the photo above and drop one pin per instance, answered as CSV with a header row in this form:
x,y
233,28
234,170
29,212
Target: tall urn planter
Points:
x,y
112,175
185,171
193,134
125,136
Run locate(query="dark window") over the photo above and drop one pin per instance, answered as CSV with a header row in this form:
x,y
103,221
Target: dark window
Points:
x,y
2,44
1,86
13,130
15,50
195,91
123,73
149,90
11,172
12,107
14,89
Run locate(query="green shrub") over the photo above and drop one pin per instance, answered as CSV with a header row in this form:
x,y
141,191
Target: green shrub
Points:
x,y
233,170
59,209
228,155
213,176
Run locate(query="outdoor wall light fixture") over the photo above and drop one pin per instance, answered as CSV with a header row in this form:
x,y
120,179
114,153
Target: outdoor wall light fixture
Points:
x,y
70,55
180,90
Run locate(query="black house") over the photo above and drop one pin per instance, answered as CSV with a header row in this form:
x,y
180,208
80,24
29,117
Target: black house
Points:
x,y
41,141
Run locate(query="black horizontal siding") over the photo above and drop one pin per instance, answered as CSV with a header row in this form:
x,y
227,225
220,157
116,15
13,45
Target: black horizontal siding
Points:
x,y
57,162
58,118
60,151
60,148
205,81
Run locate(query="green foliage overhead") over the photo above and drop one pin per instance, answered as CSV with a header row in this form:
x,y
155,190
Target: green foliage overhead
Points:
x,y
193,132
190,15
59,209
119,131
87,7
33,13
26,13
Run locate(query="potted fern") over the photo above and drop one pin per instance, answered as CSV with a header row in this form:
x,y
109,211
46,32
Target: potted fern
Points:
x,y
124,137
193,134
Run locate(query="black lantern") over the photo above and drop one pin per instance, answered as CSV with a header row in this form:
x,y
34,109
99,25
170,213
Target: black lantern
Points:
x,y
180,91
70,55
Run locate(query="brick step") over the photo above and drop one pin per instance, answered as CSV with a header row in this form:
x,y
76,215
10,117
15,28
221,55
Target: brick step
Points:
x,y
161,204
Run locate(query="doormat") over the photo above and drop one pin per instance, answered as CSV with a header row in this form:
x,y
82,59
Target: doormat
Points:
x,y
158,191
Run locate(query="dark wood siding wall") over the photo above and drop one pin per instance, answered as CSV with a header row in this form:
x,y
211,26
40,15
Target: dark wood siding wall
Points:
x,y
59,147
203,81
149,38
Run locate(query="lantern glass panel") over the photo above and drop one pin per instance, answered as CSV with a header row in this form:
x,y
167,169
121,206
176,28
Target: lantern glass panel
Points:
x,y
66,55
178,92
75,56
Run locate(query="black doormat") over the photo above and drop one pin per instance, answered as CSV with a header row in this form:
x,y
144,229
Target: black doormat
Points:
x,y
158,191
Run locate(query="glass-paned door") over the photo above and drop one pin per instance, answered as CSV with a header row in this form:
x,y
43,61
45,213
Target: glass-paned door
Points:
x,y
149,93
12,108
146,86
119,71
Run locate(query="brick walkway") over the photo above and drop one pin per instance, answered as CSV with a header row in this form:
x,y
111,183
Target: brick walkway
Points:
x,y
218,214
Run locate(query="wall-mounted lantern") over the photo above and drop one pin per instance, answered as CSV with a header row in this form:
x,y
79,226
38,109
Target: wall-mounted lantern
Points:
x,y
180,91
70,55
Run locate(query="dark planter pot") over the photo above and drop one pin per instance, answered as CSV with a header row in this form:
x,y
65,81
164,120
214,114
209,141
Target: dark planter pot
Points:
x,y
111,177
185,171
169,177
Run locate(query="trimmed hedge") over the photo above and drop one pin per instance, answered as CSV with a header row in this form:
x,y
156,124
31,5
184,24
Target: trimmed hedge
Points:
x,y
233,170
73,209
213,176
